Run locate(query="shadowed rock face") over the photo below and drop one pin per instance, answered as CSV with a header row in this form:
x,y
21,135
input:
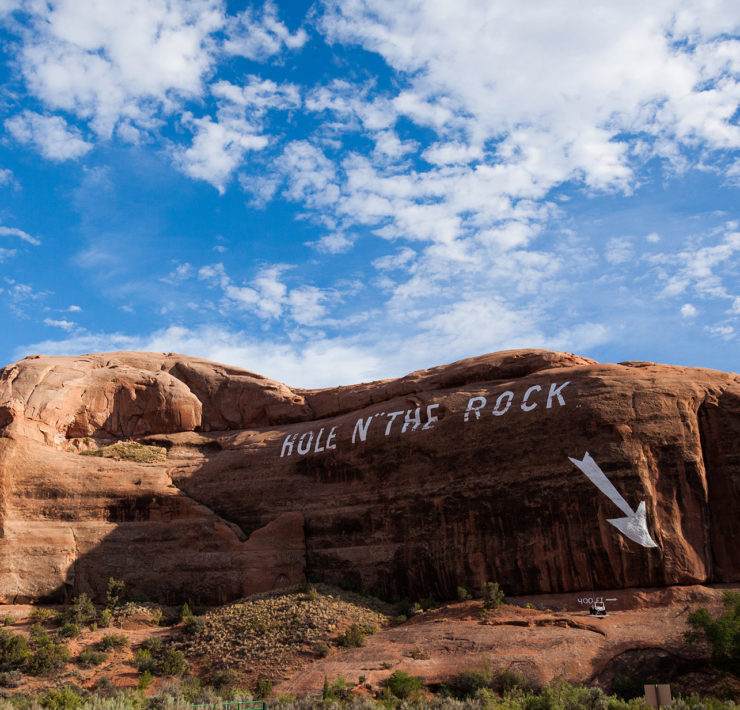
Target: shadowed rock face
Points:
x,y
542,470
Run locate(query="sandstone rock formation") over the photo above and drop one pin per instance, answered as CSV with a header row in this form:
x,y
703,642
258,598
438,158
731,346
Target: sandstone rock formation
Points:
x,y
452,476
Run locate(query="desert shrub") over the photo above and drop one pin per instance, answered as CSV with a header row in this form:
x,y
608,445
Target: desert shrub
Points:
x,y
129,451
10,679
403,685
143,660
194,625
145,680
224,678
41,615
722,633
263,688
322,650
493,596
171,662
87,657
418,654
65,698
7,620
69,630
115,594
507,680
353,637
104,618
13,651
185,612
110,641
313,594
158,659
81,612
462,594
46,657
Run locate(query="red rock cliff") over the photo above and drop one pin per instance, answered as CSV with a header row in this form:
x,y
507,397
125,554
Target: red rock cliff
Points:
x,y
541,470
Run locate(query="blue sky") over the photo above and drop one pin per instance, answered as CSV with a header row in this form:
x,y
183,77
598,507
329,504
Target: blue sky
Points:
x,y
330,192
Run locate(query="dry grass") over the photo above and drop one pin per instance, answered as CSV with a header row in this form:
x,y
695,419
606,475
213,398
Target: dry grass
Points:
x,y
281,630
130,451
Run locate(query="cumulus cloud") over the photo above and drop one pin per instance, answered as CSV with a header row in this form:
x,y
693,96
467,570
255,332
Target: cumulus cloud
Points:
x,y
109,61
50,135
260,35
688,310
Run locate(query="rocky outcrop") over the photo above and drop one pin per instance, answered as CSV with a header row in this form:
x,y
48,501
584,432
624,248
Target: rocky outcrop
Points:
x,y
545,471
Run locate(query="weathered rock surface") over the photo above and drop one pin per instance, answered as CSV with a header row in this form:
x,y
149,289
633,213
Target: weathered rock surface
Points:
x,y
451,476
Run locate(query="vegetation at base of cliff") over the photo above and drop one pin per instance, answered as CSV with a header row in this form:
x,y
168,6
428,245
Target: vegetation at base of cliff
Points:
x,y
130,451
276,628
401,692
722,633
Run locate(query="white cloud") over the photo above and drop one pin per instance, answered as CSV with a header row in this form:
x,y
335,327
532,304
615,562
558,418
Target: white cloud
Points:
x,y
15,232
74,309
319,363
6,176
619,250
653,237
50,135
725,332
688,310
736,305
6,254
111,61
700,267
268,296
334,243
63,324
218,148
261,35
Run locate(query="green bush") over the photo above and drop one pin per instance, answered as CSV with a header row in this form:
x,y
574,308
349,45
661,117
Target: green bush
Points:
x,y
69,630
722,633
65,698
46,657
158,659
145,680
104,618
115,595
403,685
493,596
7,620
144,661
81,612
10,679
14,651
353,637
263,688
171,662
110,641
462,594
41,615
194,625
87,657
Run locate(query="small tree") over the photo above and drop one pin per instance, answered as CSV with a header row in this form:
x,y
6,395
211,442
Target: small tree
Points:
x,y
722,633
493,595
403,685
115,594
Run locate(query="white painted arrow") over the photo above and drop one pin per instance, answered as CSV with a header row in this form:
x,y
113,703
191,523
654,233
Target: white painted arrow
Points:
x,y
634,526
